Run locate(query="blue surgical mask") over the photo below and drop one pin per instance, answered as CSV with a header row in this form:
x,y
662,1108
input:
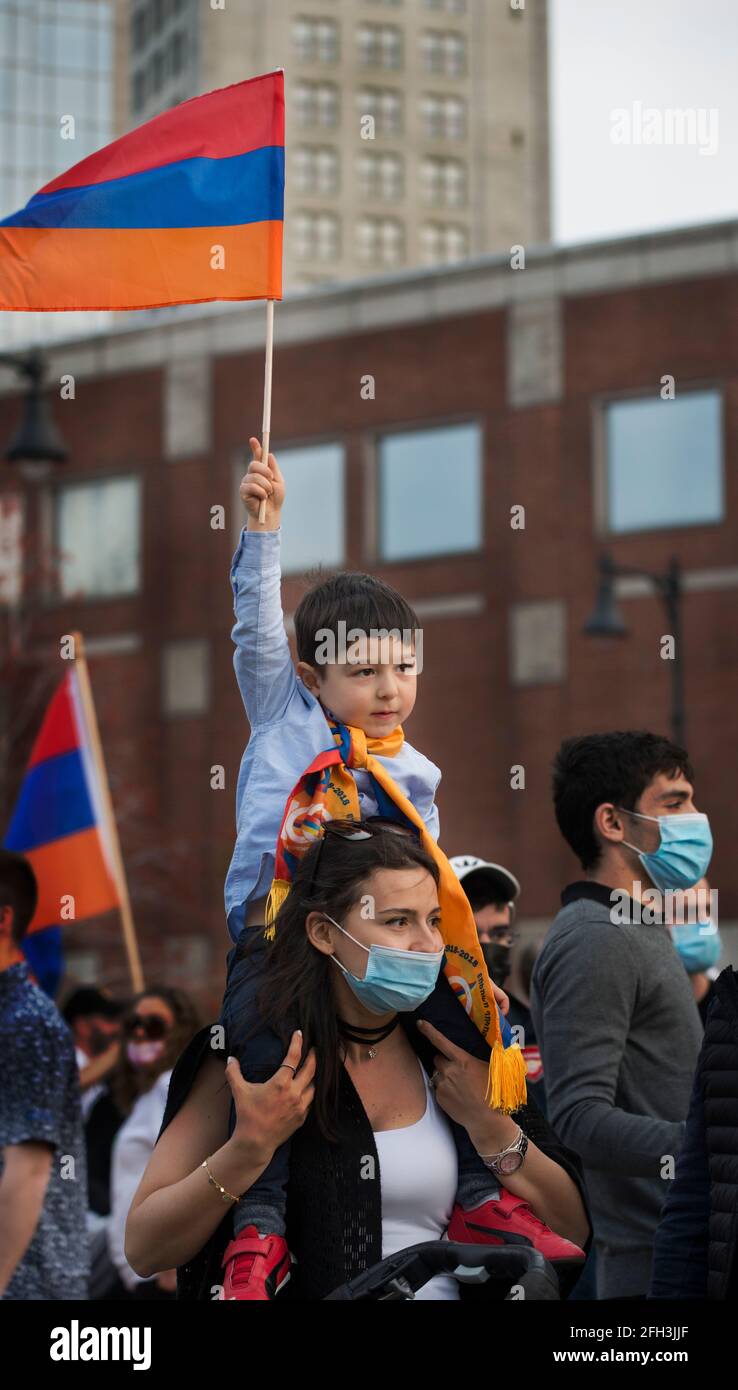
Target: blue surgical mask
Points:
x,y
698,945
685,851
395,981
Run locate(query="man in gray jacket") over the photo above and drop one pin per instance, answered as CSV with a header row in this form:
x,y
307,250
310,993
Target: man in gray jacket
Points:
x,y
614,1014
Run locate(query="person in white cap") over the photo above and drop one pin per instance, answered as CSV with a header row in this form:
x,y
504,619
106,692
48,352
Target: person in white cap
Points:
x,y
492,892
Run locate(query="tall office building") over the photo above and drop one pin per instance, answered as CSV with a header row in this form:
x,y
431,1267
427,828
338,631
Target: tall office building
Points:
x,y
417,130
56,107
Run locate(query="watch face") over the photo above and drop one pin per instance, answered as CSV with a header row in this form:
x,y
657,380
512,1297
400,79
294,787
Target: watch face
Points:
x,y
509,1163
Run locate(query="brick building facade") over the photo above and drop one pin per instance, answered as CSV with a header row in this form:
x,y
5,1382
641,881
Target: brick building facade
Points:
x,y
528,369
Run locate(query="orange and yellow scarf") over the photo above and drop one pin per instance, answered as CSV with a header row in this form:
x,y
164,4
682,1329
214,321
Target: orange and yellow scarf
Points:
x,y
327,791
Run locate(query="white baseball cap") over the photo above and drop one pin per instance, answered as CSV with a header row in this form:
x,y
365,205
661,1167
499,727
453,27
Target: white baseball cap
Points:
x,y
464,865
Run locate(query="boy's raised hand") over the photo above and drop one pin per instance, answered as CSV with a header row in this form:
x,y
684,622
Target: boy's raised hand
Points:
x,y
263,480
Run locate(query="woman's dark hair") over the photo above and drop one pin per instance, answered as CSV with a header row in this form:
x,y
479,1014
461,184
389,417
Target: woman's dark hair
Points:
x,y
360,600
297,990
613,767
129,1082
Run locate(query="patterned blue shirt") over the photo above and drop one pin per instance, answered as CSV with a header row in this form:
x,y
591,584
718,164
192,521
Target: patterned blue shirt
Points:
x,y
40,1102
288,729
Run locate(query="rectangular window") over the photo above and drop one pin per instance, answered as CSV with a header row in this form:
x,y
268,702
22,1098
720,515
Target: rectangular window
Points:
x,y
314,475
380,241
664,461
385,105
379,45
317,236
316,40
443,52
315,169
416,517
98,538
380,176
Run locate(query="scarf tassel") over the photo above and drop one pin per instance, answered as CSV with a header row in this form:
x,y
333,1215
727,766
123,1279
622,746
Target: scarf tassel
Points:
x,y
506,1090
277,894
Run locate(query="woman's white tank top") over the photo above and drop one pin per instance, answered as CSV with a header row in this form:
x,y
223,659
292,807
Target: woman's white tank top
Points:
x,y
419,1174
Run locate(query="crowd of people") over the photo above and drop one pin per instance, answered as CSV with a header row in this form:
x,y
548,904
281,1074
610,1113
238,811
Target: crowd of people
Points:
x,y
393,1062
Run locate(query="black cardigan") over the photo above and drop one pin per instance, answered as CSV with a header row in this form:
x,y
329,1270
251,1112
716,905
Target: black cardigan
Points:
x,y
334,1211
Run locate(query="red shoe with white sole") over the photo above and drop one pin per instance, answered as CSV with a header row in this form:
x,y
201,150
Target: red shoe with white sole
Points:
x,y
509,1220
256,1267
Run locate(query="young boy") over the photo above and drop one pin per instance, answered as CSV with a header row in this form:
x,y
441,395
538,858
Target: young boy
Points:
x,y
288,712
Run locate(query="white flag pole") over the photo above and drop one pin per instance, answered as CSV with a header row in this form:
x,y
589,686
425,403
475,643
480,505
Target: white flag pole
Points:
x,y
267,418
109,825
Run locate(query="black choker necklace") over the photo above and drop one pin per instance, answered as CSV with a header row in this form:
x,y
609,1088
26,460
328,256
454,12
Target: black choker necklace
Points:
x,y
368,1036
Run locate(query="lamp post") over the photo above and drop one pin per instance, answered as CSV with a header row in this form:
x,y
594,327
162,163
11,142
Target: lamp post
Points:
x,y
36,445
606,620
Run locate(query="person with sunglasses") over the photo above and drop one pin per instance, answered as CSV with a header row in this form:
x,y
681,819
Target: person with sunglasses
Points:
x,y
327,742
157,1026
379,1093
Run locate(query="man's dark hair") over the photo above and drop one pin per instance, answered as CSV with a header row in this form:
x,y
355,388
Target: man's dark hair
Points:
x,y
360,600
613,767
18,890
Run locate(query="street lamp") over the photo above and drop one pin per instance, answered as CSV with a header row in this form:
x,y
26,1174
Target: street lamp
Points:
x,y
606,620
37,444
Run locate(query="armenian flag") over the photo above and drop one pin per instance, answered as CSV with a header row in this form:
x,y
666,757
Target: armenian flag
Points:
x,y
187,208
58,822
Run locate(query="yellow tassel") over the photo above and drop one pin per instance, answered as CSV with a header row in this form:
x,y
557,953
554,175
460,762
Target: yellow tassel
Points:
x,y
277,894
506,1089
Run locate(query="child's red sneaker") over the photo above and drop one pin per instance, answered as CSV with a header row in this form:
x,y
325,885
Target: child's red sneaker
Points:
x,y
495,1221
256,1267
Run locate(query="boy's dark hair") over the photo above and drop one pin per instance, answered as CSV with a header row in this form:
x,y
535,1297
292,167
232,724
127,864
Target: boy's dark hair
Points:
x,y
18,890
613,767
360,600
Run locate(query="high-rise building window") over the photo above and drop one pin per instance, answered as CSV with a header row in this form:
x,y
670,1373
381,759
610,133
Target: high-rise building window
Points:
x,y
86,511
138,90
178,48
442,244
316,40
315,169
385,105
443,52
380,175
156,72
449,6
317,236
138,30
316,103
379,45
380,241
443,181
443,117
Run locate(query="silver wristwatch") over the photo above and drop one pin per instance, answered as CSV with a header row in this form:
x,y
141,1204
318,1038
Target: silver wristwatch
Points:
x,y
508,1160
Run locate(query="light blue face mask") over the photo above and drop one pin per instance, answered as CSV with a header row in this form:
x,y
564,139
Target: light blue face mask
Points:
x,y
698,945
395,981
685,851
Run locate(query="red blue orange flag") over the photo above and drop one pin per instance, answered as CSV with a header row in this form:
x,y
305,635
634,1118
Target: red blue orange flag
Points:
x,y
58,822
186,208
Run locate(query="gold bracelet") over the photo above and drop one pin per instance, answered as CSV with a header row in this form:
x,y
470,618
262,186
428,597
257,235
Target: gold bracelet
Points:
x,y
225,1194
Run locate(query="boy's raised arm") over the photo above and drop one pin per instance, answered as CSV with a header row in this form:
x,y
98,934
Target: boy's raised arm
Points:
x,y
262,659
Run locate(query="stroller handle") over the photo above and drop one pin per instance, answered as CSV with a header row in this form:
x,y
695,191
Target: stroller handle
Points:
x,y
399,1276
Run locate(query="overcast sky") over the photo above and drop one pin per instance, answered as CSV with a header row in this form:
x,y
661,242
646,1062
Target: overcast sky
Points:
x,y
610,55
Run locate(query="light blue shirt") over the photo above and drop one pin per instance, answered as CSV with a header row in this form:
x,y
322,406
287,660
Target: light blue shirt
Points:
x,y
288,728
